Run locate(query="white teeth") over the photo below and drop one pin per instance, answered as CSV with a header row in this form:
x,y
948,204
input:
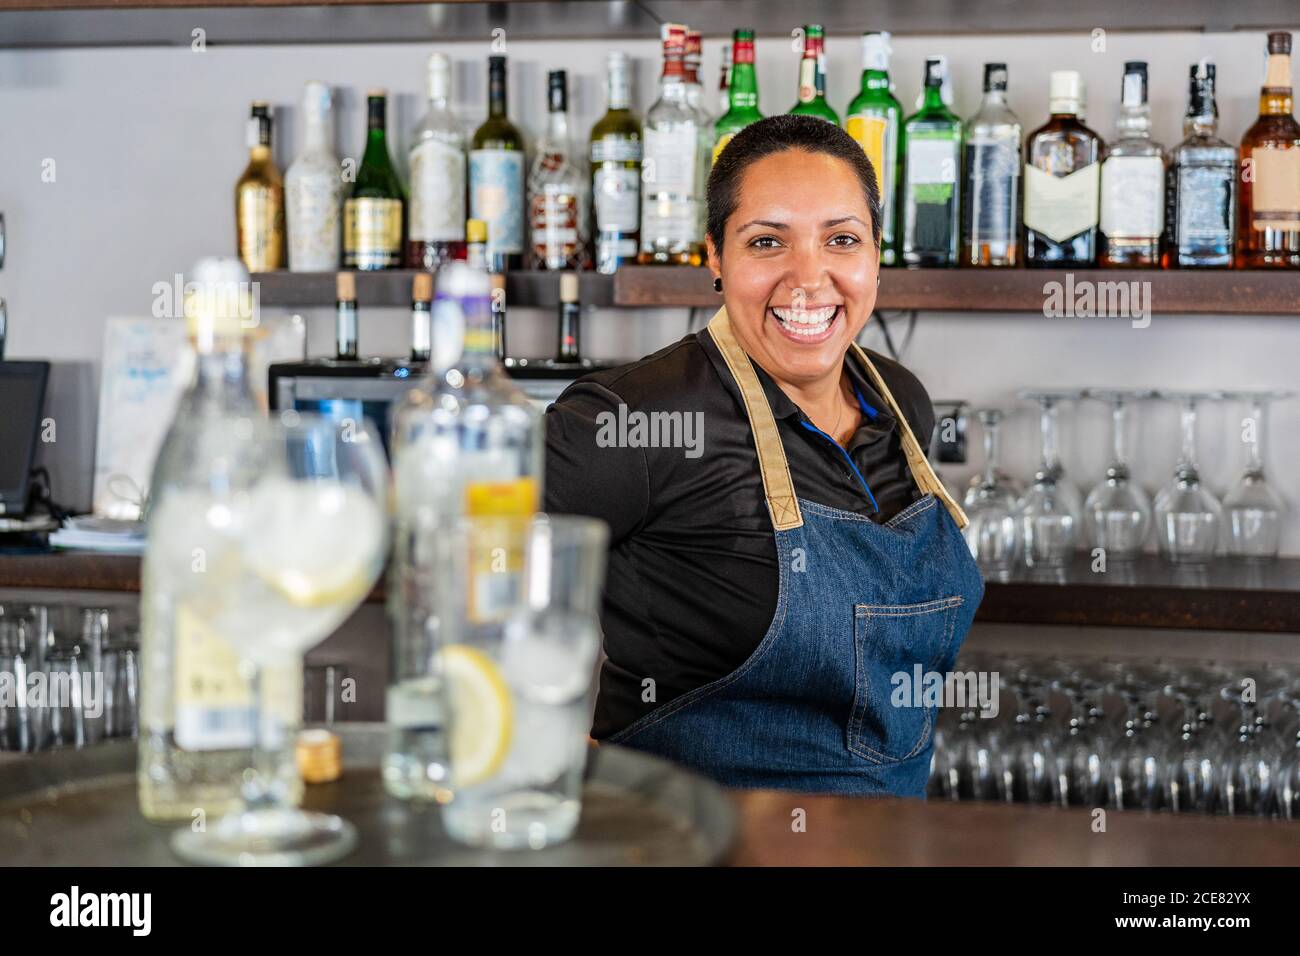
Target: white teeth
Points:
x,y
806,321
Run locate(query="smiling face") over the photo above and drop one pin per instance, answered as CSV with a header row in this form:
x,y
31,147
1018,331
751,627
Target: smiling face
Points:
x,y
798,264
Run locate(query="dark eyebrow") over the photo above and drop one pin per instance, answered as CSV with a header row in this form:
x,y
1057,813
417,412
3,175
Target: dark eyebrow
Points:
x,y
831,223
762,222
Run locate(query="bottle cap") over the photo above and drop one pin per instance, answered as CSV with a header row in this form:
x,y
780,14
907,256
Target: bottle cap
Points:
x,y
568,287
1133,90
694,43
422,287
316,98
439,74
345,287
476,230
995,76
377,93
1065,92
875,51
320,756
1279,42
557,91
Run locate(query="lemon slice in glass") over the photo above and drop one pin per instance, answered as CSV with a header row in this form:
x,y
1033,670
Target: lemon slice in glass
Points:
x,y
482,714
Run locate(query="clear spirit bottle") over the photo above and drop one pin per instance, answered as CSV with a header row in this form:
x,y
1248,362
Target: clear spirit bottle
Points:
x,y
435,223
1133,182
991,199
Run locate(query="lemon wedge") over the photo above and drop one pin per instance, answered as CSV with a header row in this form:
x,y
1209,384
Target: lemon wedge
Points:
x,y
481,714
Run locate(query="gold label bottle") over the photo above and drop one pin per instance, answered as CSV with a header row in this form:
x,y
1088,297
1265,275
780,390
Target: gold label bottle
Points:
x,y
259,200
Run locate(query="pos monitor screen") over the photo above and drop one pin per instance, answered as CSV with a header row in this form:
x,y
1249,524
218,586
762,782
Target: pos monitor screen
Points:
x,y
22,398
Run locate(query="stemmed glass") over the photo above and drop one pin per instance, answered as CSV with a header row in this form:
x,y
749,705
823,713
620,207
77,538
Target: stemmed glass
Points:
x,y
1117,512
1192,758
1049,510
1138,765
1254,511
1247,785
1288,777
1188,516
1083,759
306,545
1029,765
992,535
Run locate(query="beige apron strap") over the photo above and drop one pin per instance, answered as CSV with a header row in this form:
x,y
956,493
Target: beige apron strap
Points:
x,y
777,484
917,461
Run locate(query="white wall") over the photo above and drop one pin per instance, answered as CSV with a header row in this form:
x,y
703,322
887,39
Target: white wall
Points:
x,y
147,144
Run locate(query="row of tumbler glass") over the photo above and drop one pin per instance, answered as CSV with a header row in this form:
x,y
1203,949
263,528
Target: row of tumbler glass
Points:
x,y
70,676
1187,737
1043,525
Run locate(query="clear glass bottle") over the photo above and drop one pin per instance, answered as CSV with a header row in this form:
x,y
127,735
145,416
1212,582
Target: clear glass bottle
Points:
x,y
616,172
196,713
1201,189
931,200
873,120
313,189
259,199
812,77
466,442
1062,181
557,190
671,190
435,224
991,199
1268,218
724,81
704,143
1133,182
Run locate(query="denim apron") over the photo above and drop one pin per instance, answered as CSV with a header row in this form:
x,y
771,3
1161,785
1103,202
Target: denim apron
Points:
x,y
819,705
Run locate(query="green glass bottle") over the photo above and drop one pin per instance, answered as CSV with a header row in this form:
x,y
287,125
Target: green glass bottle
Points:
x,y
873,120
496,176
931,182
742,94
373,218
812,77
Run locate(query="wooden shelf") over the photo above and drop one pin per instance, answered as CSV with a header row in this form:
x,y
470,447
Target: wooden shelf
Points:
x,y
392,288
1223,596
71,23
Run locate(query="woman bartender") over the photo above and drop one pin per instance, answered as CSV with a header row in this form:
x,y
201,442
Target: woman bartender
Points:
x,y
774,568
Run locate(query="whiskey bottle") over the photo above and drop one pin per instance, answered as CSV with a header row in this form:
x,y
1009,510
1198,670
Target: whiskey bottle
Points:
x,y
1061,182
1132,182
1268,221
1201,190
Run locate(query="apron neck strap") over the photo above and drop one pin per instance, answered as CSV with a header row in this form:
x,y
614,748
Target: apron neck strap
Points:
x,y
777,484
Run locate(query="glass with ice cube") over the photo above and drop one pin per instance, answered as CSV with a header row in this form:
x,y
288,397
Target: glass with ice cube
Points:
x,y
519,664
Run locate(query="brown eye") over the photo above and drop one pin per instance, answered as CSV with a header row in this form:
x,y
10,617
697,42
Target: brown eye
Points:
x,y
764,242
845,240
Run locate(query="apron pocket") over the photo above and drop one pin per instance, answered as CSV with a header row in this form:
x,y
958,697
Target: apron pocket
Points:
x,y
888,722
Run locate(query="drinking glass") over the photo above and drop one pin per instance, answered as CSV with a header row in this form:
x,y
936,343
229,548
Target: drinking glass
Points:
x,y
307,542
519,653
1083,758
1192,757
1117,512
993,534
22,726
122,683
1253,510
1188,516
1288,776
1247,784
1138,759
1050,508
1029,755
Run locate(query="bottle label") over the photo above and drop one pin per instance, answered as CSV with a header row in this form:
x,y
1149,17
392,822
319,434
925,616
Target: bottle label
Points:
x,y
496,566
496,181
213,704
372,233
313,199
1276,195
437,192
994,175
874,135
617,197
932,165
553,217
669,164
615,149
1205,204
720,145
1062,206
1132,197
261,227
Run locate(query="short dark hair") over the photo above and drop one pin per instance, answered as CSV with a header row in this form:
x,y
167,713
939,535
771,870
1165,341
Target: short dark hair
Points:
x,y
776,134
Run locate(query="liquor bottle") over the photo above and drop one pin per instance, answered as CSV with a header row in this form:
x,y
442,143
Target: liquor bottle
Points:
x,y
671,190
990,230
1132,182
421,317
345,317
435,227
196,709
616,172
313,189
476,244
742,93
873,120
557,188
691,63
372,215
259,199
570,344
1268,221
931,192
496,173
812,77
1062,179
704,144
466,442
1201,192
724,81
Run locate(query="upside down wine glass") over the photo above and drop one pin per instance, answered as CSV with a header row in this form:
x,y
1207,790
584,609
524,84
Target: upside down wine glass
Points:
x,y
1253,510
992,535
1049,510
1188,515
1117,512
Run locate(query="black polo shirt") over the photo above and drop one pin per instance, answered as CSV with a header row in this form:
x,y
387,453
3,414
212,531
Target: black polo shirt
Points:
x,y
692,579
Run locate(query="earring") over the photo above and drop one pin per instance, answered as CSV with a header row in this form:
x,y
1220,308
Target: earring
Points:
x,y
877,278
717,284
